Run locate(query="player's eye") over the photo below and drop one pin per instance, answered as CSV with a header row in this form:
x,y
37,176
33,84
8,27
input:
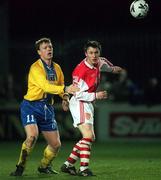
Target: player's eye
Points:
x,y
45,47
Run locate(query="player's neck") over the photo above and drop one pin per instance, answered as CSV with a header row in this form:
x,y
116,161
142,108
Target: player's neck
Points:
x,y
47,61
91,63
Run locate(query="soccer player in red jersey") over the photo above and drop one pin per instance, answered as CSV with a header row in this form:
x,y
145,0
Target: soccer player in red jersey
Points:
x,y
86,76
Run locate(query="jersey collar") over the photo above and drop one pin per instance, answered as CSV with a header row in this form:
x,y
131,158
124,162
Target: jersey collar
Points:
x,y
88,65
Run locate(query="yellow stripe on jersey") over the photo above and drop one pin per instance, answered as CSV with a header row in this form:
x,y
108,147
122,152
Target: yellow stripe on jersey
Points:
x,y
38,84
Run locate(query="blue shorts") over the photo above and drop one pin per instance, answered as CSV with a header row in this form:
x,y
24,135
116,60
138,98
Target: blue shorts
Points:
x,y
40,113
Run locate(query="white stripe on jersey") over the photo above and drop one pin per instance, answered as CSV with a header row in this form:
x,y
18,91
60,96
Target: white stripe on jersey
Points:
x,y
83,95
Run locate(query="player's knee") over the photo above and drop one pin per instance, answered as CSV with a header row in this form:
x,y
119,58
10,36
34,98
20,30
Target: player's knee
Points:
x,y
56,145
91,136
30,141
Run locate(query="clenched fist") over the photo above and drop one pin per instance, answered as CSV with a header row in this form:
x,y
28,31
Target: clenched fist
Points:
x,y
101,95
71,89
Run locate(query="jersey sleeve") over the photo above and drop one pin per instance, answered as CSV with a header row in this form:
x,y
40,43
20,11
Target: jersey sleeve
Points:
x,y
38,78
83,94
60,75
105,65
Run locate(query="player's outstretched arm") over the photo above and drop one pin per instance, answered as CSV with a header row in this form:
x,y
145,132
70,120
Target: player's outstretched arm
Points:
x,y
71,89
101,95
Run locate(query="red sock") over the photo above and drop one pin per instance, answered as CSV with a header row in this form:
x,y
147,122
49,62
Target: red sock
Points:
x,y
85,152
75,154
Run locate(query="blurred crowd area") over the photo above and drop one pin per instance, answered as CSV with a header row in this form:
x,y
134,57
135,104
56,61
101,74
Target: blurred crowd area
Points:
x,y
120,87
11,91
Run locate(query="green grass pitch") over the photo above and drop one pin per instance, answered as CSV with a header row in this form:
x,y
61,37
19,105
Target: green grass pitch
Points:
x,y
109,161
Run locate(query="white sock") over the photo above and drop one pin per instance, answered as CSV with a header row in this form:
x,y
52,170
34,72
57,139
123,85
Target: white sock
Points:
x,y
68,164
82,168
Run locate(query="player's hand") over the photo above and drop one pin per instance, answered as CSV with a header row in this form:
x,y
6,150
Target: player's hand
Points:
x,y
71,89
65,104
101,95
117,69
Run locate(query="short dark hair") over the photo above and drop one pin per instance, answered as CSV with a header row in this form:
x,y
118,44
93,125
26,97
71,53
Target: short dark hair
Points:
x,y
40,41
94,44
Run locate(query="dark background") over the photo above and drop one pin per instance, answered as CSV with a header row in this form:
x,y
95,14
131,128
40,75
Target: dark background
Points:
x,y
134,44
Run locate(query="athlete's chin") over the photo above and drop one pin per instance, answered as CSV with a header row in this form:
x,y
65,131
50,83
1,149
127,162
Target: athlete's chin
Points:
x,y
95,62
49,57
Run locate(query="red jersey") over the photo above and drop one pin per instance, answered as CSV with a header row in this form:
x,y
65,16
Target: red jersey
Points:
x,y
87,78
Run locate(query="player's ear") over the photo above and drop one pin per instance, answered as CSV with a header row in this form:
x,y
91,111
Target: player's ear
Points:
x,y
86,54
38,51
99,52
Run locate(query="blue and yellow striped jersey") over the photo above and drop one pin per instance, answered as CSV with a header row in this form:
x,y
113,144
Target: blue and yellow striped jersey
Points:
x,y
39,85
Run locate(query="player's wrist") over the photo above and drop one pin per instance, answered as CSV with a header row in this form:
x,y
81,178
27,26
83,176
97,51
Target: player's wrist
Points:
x,y
66,97
96,95
113,69
65,89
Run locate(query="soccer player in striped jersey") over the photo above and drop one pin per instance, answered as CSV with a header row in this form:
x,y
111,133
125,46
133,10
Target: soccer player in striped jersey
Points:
x,y
45,79
86,76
